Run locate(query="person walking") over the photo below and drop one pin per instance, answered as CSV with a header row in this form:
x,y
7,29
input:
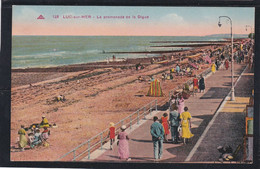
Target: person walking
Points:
x,y
186,125
226,64
217,64
123,147
157,133
213,68
112,134
202,84
165,126
174,122
181,104
195,84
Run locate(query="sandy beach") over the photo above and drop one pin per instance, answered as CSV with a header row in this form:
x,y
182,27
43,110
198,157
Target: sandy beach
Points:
x,y
96,94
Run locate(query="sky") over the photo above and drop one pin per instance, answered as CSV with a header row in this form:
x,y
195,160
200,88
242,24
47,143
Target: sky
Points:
x,y
129,21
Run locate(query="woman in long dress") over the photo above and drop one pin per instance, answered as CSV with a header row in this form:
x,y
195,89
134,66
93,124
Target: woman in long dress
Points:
x,y
186,125
181,105
195,84
213,68
202,84
23,141
226,64
165,125
123,147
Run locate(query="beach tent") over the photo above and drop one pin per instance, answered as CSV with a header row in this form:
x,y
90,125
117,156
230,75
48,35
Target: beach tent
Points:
x,y
155,89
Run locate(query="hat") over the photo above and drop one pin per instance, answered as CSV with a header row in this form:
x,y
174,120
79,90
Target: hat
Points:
x,y
123,127
111,124
37,129
43,115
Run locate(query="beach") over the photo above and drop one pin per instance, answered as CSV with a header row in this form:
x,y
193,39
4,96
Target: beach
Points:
x,y
96,94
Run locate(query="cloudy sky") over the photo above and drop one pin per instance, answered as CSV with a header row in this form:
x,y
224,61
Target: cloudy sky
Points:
x,y
156,21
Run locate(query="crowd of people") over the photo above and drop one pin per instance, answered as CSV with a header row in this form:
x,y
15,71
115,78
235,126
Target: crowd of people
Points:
x,y
35,136
178,124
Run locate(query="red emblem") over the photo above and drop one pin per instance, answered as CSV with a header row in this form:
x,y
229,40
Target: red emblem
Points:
x,y
40,17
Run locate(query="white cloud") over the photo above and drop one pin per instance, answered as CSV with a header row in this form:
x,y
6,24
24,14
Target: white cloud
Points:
x,y
172,18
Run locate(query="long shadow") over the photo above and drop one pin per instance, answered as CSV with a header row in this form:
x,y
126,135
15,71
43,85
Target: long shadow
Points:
x,y
144,141
215,93
163,107
245,86
229,77
182,151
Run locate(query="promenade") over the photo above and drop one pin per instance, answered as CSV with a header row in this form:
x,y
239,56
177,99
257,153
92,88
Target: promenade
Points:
x,y
226,129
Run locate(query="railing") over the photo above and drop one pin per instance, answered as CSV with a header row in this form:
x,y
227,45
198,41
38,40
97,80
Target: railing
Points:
x,y
100,139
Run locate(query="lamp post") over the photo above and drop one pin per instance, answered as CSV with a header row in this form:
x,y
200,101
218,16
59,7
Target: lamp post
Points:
x,y
232,58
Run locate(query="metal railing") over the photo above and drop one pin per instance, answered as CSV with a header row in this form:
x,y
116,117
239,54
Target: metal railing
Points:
x,y
100,139
96,142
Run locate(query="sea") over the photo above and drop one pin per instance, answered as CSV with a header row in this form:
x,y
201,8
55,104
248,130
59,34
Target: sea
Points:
x,y
50,51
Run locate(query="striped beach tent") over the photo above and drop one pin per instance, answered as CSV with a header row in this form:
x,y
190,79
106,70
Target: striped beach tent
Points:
x,y
155,89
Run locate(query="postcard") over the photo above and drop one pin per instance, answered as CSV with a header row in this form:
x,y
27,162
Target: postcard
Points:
x,y
132,84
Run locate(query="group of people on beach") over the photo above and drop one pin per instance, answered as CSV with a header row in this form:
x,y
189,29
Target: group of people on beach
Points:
x,y
35,137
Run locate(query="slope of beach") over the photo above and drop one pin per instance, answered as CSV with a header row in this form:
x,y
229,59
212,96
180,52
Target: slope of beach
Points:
x,y
96,94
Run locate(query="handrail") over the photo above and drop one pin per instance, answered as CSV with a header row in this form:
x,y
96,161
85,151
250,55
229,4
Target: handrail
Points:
x,y
153,104
128,121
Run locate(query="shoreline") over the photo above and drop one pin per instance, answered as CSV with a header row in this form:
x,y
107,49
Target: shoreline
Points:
x,y
119,62
94,97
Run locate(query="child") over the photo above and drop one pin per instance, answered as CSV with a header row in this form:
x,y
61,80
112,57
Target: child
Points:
x,y
30,138
37,138
112,134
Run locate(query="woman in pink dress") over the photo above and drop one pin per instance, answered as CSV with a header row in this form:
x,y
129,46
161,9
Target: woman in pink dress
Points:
x,y
181,105
123,148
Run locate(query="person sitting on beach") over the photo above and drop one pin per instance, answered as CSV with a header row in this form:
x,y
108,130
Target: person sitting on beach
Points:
x,y
23,141
171,76
62,97
152,61
44,122
177,69
163,77
30,138
188,71
44,136
37,138
140,78
137,66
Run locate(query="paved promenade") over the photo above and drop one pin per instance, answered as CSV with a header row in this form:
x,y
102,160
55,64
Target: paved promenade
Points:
x,y
202,107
